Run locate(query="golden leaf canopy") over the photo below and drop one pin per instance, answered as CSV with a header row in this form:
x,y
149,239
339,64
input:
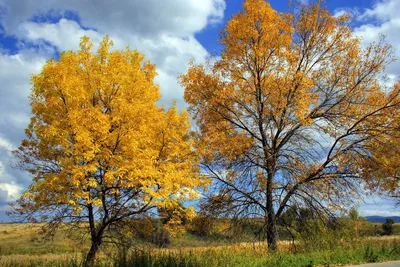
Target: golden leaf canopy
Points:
x,y
97,133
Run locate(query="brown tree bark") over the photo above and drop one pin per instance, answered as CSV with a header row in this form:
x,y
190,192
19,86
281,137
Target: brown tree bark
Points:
x,y
96,238
270,216
91,256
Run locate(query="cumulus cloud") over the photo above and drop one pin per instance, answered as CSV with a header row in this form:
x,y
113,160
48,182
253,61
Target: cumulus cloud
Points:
x,y
383,19
9,192
64,34
15,71
143,17
382,10
163,30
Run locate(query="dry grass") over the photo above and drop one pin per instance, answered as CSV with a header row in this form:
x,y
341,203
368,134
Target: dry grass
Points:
x,y
20,244
7,260
382,239
283,246
25,239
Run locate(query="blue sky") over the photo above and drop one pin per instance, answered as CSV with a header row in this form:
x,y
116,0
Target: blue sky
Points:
x,y
168,32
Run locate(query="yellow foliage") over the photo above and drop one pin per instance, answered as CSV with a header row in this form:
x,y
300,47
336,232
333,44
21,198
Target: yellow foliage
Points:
x,y
282,75
96,133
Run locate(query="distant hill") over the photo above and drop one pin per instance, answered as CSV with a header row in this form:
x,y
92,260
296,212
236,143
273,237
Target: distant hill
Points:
x,y
382,219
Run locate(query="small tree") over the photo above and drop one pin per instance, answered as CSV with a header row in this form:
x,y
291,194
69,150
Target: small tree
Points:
x,y
175,211
175,216
387,227
98,148
356,220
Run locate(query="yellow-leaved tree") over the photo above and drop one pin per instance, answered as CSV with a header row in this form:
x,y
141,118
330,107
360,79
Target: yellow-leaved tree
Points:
x,y
289,112
98,147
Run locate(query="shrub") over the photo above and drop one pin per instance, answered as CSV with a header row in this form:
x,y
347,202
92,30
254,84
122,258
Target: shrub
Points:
x,y
387,227
202,226
161,237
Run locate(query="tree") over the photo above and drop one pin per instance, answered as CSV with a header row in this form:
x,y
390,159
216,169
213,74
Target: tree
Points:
x,y
174,217
178,212
356,221
388,227
289,111
98,148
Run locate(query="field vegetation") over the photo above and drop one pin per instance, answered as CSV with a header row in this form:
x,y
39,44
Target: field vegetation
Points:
x,y
348,242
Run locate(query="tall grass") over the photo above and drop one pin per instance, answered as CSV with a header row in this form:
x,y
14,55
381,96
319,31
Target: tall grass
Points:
x,y
319,247
367,251
239,255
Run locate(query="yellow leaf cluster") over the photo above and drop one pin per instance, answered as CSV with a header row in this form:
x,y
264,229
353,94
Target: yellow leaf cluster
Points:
x,y
96,131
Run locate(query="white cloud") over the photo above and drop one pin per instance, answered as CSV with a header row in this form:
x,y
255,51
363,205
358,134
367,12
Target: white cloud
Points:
x,y
169,83
382,19
15,71
340,12
382,10
141,17
9,192
163,31
63,34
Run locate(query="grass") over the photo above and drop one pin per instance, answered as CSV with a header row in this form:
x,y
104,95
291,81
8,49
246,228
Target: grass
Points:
x,y
367,251
20,246
24,239
237,255
40,260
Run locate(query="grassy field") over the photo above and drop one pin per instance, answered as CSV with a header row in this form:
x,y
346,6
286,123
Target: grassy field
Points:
x,y
20,245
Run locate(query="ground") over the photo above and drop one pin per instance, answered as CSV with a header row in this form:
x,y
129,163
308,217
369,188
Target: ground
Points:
x,y
21,245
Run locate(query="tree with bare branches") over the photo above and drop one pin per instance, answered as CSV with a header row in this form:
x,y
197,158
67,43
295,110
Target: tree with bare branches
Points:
x,y
289,112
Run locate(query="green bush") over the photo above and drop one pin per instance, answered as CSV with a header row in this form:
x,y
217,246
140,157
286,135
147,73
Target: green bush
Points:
x,y
387,227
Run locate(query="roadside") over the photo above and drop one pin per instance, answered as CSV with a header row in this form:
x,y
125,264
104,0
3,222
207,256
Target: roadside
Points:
x,y
383,264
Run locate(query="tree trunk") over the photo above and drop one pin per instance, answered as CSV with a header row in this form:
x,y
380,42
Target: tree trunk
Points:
x,y
271,232
92,254
96,237
270,216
